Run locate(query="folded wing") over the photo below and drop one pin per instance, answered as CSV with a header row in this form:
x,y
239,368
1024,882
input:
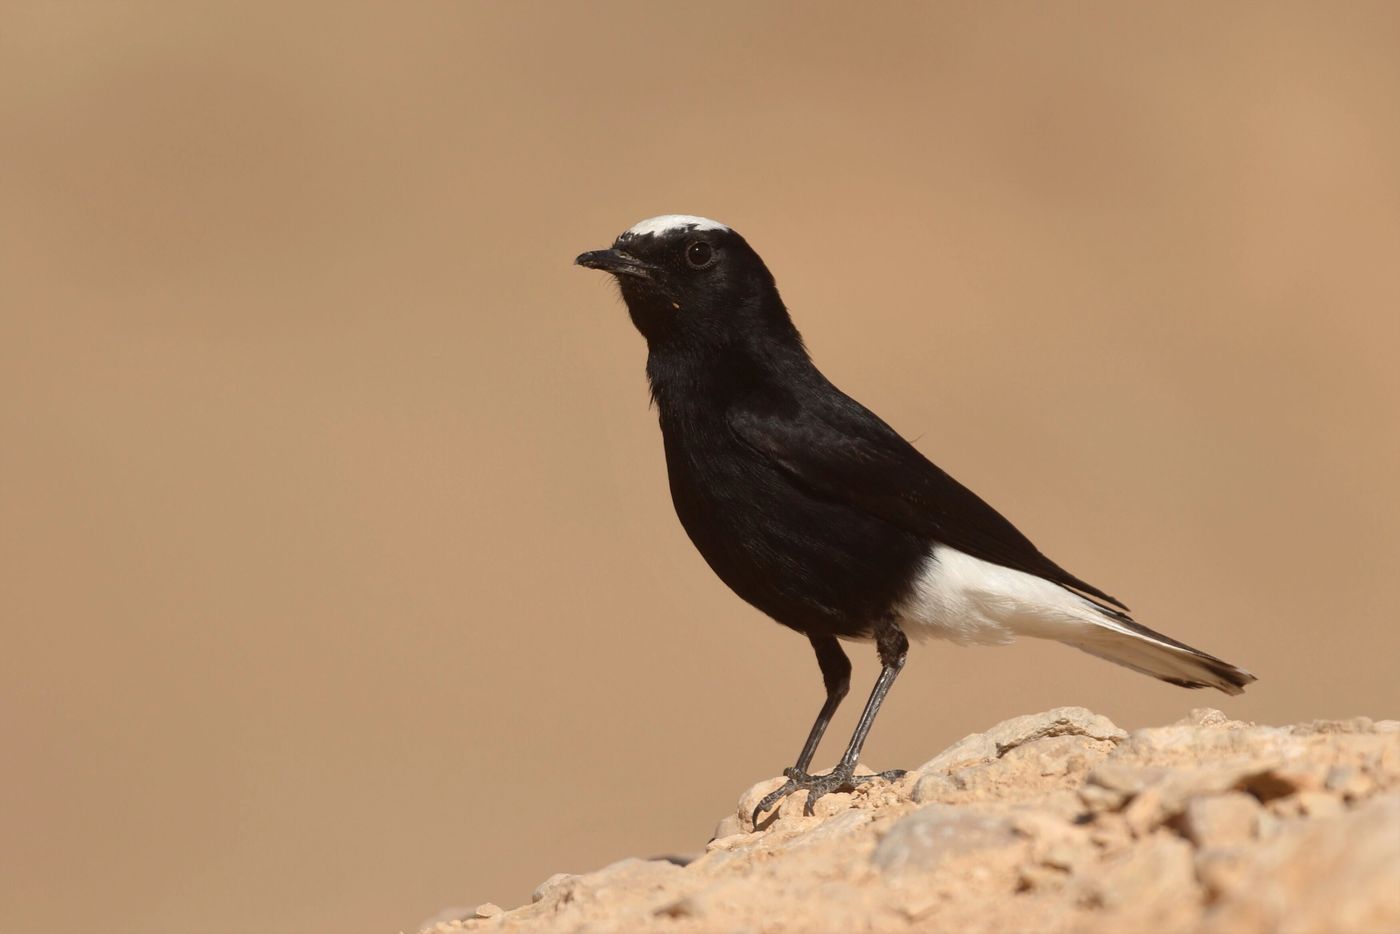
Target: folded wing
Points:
x,y
836,449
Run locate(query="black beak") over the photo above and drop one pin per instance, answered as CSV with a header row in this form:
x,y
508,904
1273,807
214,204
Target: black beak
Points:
x,y
616,262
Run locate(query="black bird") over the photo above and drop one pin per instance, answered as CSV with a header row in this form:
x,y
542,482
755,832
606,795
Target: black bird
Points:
x,y
818,513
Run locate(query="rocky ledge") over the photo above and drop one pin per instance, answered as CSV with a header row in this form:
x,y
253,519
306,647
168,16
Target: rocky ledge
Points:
x,y
1058,821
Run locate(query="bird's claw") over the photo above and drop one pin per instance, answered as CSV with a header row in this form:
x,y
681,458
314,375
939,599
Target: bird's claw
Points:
x,y
841,778
796,779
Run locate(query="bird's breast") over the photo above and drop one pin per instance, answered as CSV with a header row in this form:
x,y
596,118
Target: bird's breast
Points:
x,y
812,564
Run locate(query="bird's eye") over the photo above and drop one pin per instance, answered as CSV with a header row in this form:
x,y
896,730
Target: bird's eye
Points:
x,y
699,254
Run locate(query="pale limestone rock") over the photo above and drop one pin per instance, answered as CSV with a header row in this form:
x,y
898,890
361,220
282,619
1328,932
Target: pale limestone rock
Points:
x,y
1206,716
1007,735
930,789
840,825
728,825
1222,870
921,841
749,800
1319,804
1038,766
1149,887
727,842
1349,781
1146,811
832,804
548,886
1221,820
1325,875
1051,822
442,921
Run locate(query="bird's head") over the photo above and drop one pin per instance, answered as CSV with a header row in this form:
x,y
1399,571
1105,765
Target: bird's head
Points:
x,y
691,281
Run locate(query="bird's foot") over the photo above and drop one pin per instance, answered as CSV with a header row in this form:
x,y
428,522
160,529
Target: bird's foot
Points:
x,y
841,778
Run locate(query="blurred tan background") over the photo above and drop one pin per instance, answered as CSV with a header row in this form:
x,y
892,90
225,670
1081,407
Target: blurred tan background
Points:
x,y
338,574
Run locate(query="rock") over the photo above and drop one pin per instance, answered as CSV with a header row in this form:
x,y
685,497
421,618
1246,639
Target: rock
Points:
x,y
1123,780
929,789
749,800
1058,757
727,842
1221,870
728,825
1146,811
1007,735
841,825
1350,782
1301,776
1333,874
1319,804
924,839
548,886
1207,824
1273,782
1149,796
1031,755
1158,871
442,920
834,803
1221,820
1204,716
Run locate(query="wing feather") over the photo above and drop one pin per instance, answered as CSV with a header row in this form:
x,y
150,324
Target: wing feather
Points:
x,y
836,449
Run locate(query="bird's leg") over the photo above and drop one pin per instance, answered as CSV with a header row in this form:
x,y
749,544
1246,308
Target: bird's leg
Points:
x,y
893,647
836,674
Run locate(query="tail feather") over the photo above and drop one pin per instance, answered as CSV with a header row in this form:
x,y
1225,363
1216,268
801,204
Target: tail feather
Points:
x,y
1132,645
976,602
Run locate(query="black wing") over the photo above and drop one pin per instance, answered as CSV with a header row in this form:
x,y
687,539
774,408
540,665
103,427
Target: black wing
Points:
x,y
836,449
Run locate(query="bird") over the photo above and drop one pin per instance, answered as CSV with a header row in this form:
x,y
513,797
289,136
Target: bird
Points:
x,y
817,513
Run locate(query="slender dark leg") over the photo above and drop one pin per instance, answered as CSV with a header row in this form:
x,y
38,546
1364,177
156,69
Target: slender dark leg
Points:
x,y
836,673
893,647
